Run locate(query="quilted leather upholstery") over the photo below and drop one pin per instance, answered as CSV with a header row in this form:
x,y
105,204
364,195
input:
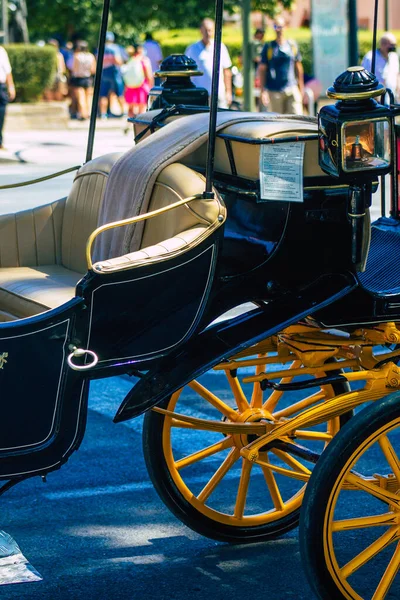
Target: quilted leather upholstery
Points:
x,y
42,251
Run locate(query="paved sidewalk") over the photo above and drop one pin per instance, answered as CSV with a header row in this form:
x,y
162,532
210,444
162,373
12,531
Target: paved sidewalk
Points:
x,y
32,154
50,116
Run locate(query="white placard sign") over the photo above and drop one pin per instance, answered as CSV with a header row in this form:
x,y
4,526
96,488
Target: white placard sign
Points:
x,y
281,171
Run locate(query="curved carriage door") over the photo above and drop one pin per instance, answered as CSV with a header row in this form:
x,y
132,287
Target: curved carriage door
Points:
x,y
42,401
146,311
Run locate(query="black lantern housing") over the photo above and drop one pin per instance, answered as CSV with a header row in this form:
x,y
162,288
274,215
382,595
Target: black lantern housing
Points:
x,y
356,134
177,87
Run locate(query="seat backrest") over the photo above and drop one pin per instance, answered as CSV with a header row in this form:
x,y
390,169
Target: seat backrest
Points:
x,y
244,140
174,183
82,210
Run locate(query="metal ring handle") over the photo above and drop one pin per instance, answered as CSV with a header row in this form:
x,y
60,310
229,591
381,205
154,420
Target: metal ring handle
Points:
x,y
82,352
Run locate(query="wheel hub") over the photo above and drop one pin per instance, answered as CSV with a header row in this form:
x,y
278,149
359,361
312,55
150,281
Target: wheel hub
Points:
x,y
252,415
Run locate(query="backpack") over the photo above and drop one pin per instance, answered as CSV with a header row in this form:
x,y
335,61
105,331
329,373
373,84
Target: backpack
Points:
x,y
133,73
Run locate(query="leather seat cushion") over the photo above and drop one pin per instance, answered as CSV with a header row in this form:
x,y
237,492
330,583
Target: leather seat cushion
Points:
x,y
27,291
174,244
177,182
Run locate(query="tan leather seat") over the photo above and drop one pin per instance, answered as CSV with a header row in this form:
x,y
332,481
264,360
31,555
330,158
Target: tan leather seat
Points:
x,y
246,155
178,229
42,251
178,242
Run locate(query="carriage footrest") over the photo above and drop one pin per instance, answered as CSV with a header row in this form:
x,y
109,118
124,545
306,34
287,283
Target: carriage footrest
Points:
x,y
382,274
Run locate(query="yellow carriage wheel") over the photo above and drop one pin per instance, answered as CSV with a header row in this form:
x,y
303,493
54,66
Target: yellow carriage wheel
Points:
x,y
199,471
350,523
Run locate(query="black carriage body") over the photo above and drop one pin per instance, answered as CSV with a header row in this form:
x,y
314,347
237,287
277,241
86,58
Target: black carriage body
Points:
x,y
159,306
148,317
377,296
271,247
44,401
275,247
131,317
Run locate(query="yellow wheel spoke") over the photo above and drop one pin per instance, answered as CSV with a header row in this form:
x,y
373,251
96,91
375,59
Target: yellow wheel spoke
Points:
x,y
292,462
237,391
216,479
243,489
283,471
301,405
273,489
214,400
363,484
366,555
205,453
257,395
389,519
313,435
390,455
272,401
388,576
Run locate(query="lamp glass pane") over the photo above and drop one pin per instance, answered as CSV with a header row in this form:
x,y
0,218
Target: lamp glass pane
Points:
x,y
366,145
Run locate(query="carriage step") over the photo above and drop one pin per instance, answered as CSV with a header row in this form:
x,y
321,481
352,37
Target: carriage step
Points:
x,y
382,274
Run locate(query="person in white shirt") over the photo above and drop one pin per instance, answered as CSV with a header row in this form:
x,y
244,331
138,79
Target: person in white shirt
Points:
x,y
7,89
387,67
203,52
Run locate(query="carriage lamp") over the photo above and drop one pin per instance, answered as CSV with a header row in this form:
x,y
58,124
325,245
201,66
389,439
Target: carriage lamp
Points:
x,y
356,145
355,134
177,88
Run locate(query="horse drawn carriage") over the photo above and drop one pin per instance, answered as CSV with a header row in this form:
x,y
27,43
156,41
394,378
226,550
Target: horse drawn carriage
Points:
x,y
135,272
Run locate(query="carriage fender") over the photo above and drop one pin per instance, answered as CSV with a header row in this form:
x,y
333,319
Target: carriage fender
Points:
x,y
218,342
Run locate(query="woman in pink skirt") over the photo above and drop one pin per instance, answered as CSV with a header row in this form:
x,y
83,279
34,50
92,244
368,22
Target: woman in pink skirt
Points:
x,y
138,78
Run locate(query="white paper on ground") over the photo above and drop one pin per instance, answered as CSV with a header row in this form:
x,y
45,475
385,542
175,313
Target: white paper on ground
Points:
x,y
14,567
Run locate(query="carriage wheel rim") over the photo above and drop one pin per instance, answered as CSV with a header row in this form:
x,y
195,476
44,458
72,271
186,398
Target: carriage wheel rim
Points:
x,y
340,574
281,508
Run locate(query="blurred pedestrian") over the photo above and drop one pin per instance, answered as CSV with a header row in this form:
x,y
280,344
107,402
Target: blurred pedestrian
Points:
x,y
386,63
68,54
112,85
138,79
281,74
203,52
257,46
59,87
81,82
154,53
313,89
7,89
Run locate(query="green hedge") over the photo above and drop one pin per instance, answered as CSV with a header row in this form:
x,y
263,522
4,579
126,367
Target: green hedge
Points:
x,y
33,69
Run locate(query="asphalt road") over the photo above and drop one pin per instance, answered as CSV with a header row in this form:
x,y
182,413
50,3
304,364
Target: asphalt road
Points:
x,y
97,530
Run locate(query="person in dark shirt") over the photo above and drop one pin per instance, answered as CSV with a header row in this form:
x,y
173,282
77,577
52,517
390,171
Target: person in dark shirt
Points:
x,y
281,74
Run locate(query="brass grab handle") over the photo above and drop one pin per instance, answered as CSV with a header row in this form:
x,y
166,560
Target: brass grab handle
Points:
x,y
130,221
